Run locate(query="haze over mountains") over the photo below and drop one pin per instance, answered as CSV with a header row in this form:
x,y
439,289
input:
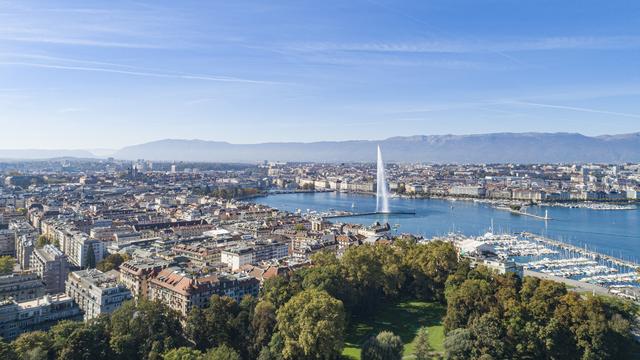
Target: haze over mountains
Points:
x,y
482,148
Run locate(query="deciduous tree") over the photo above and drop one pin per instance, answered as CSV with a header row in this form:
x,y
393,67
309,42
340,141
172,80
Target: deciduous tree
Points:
x,y
312,326
385,346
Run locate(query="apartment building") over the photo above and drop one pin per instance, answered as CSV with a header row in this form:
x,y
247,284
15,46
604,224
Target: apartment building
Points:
x,y
39,314
96,292
183,292
52,267
135,274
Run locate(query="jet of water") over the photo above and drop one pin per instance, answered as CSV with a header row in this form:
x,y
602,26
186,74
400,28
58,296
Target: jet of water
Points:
x,y
382,194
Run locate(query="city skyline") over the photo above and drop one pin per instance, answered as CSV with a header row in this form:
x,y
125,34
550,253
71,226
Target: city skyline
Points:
x,y
84,75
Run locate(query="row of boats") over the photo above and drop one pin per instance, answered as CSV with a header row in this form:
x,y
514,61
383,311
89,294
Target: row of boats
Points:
x,y
570,268
541,255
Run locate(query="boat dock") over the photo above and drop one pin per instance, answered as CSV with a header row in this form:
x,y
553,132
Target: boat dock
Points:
x,y
343,215
524,213
582,251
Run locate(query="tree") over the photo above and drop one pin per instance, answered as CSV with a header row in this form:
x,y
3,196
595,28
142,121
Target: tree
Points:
x,y
222,352
422,349
213,325
279,289
90,341
113,261
6,265
7,352
144,330
312,326
61,332
468,301
262,325
385,346
91,257
430,266
488,337
458,345
42,241
183,353
34,345
363,275
330,278
242,336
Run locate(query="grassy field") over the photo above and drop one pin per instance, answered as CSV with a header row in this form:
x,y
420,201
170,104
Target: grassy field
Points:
x,y
403,319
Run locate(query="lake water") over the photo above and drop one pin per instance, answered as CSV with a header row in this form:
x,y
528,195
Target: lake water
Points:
x,y
615,233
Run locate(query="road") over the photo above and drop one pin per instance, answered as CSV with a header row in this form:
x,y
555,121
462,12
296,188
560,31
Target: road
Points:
x,y
575,285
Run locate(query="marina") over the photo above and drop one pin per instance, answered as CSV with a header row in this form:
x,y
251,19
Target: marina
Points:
x,y
537,254
599,247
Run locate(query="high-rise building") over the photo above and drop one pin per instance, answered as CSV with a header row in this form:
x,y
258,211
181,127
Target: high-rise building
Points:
x,y
78,250
52,267
7,242
24,248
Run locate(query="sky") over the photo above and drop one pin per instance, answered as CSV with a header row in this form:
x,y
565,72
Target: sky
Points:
x,y
107,74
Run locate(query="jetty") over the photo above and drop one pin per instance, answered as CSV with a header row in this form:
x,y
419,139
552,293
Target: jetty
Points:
x,y
345,215
524,213
582,251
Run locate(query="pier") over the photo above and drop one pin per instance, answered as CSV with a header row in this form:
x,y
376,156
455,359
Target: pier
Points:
x,y
330,216
523,213
579,250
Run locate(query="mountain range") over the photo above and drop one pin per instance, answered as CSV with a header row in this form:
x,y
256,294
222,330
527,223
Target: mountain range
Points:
x,y
481,148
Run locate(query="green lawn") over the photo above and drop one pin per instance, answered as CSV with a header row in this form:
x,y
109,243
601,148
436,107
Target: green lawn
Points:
x,y
403,319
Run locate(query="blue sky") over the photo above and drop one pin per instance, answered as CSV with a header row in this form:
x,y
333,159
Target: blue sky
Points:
x,y
105,74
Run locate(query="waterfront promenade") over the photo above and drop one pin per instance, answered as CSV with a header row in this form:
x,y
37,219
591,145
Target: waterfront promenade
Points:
x,y
574,285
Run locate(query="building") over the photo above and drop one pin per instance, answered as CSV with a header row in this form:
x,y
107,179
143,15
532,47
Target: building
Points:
x,y
415,188
52,267
135,274
503,266
468,190
481,253
528,195
199,254
7,242
24,248
77,248
96,292
21,286
236,257
39,314
261,250
270,249
182,292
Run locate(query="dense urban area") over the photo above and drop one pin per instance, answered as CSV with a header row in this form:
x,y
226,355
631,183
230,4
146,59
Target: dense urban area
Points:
x,y
106,259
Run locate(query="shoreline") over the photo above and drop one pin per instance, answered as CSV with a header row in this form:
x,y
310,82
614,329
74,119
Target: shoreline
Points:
x,y
628,205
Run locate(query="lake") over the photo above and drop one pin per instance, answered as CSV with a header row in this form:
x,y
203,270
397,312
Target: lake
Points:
x,y
613,232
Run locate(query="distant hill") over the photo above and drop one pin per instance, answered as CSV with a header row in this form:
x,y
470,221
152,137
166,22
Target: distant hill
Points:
x,y
35,154
482,148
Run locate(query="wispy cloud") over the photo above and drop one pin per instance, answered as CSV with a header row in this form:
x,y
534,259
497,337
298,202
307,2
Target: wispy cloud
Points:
x,y
70,110
133,27
81,42
359,60
201,101
471,46
138,73
575,108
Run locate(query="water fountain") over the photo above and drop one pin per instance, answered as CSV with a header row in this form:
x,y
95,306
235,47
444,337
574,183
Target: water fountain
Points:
x,y
382,194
